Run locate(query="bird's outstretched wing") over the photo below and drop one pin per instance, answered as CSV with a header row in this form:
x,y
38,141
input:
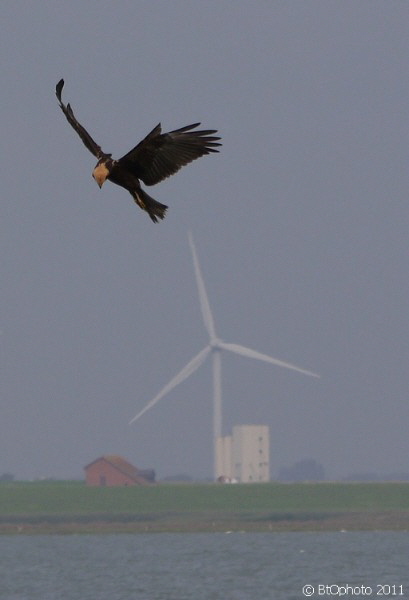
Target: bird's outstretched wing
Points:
x,y
160,155
84,135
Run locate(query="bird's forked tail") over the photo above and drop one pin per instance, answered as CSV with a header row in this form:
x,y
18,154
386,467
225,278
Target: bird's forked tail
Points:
x,y
155,209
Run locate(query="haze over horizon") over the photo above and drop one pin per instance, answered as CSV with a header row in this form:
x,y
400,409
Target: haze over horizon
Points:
x,y
300,224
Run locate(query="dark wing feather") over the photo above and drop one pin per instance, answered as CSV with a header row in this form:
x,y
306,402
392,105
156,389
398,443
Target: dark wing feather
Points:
x,y
160,155
84,135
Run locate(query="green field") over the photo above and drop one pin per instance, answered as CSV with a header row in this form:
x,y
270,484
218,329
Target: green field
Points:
x,y
72,506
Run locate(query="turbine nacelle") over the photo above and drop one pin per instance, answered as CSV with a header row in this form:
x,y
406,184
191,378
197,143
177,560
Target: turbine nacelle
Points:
x,y
216,344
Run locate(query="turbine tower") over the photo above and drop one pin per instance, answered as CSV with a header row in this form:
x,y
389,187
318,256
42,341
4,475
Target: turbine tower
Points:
x,y
214,347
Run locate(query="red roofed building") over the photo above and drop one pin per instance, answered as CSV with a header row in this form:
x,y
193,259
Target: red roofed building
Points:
x,y
112,469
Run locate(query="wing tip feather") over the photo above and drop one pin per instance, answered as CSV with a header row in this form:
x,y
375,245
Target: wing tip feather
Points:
x,y
58,89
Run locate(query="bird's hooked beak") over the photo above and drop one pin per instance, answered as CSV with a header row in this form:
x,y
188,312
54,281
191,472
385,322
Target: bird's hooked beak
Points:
x,y
100,173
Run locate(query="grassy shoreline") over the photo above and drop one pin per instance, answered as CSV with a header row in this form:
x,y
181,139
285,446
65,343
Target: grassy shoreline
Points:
x,y
72,507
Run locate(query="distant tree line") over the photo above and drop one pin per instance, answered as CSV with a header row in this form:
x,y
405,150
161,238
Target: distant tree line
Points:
x,y
311,470
304,470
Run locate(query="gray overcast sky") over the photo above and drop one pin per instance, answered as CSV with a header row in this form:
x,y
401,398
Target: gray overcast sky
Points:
x,y
300,223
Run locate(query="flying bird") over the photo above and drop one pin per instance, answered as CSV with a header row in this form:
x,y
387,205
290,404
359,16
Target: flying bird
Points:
x,y
156,157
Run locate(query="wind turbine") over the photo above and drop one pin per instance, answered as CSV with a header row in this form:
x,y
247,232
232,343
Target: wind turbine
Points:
x,y
214,347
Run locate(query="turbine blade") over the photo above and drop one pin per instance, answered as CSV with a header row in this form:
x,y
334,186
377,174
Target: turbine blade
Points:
x,y
204,300
249,353
181,376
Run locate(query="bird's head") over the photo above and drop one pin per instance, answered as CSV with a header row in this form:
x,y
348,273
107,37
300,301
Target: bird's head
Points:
x,y
100,173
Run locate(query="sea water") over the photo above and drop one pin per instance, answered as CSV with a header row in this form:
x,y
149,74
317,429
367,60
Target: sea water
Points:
x,y
205,566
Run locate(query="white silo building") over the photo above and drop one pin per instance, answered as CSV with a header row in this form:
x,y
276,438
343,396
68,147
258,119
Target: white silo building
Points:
x,y
244,456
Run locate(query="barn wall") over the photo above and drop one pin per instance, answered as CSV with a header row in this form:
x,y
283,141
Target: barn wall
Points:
x,y
101,471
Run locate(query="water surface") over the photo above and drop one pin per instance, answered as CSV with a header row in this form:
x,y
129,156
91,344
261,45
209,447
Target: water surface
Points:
x,y
204,566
